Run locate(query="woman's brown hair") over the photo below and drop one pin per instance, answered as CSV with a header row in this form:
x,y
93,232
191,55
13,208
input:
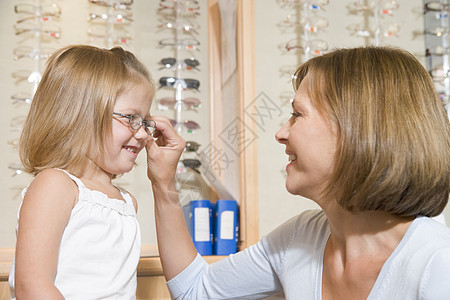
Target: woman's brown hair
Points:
x,y
71,112
393,132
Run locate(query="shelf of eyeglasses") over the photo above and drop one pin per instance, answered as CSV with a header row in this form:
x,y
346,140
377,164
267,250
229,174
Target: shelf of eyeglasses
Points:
x,y
44,12
438,31
311,46
36,29
181,24
437,7
175,83
114,4
311,24
315,5
16,123
16,168
21,97
189,126
115,17
387,29
187,64
382,7
117,36
188,103
191,44
188,164
31,52
179,7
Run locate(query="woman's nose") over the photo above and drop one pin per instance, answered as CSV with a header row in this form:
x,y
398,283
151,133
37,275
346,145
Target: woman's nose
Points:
x,y
282,133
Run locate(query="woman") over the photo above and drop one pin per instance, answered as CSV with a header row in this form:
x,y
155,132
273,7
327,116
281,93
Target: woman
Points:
x,y
369,142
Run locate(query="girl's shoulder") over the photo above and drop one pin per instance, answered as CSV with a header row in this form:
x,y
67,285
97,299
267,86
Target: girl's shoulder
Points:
x,y
52,183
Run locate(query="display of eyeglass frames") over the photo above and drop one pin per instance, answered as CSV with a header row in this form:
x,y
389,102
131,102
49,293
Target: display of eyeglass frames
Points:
x,y
177,19
36,24
108,20
303,23
36,29
381,13
437,26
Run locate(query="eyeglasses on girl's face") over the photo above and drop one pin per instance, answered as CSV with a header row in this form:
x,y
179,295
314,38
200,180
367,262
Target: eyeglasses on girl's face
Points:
x,y
136,122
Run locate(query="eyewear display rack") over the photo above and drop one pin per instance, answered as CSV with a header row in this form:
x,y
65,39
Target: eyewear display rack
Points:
x,y
108,22
375,26
178,16
305,20
437,27
149,269
36,26
174,16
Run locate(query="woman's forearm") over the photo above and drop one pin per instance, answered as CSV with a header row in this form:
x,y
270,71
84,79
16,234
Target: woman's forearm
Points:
x,y
175,246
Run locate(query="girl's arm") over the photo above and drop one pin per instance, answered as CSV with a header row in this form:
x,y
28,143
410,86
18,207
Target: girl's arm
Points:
x,y
175,246
44,214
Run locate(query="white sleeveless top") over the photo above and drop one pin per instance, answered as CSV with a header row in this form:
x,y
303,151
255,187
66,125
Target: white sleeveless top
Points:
x,y
100,248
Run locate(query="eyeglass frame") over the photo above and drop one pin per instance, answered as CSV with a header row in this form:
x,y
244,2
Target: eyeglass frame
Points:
x,y
435,6
140,123
124,4
173,82
172,63
307,44
37,10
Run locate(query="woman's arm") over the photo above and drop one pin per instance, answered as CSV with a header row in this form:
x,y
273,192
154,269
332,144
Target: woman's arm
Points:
x,y
175,246
246,275
44,214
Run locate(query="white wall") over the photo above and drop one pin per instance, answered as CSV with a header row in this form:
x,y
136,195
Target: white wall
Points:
x,y
275,203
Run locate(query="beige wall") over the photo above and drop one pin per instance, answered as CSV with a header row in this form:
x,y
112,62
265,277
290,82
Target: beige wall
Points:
x,y
276,205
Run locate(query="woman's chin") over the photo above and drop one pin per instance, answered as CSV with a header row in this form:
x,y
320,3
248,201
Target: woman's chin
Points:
x,y
291,188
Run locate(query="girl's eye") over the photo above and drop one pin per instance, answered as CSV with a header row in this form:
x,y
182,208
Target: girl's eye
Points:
x,y
296,114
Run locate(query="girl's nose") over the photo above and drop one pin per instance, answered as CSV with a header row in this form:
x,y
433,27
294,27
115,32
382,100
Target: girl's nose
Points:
x,y
141,133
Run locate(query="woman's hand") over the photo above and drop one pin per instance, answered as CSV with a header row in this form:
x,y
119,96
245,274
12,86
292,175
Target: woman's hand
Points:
x,y
163,152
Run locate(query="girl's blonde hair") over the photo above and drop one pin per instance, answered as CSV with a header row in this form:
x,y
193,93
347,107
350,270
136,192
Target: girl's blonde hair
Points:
x,y
393,132
71,112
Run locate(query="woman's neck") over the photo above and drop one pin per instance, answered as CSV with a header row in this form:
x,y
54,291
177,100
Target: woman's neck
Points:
x,y
355,234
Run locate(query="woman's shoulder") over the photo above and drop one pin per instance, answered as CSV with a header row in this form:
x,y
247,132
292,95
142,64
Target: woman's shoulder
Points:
x,y
424,244
309,220
424,229
426,255
308,225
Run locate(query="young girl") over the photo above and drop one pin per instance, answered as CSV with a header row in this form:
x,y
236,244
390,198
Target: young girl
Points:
x,y
78,236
